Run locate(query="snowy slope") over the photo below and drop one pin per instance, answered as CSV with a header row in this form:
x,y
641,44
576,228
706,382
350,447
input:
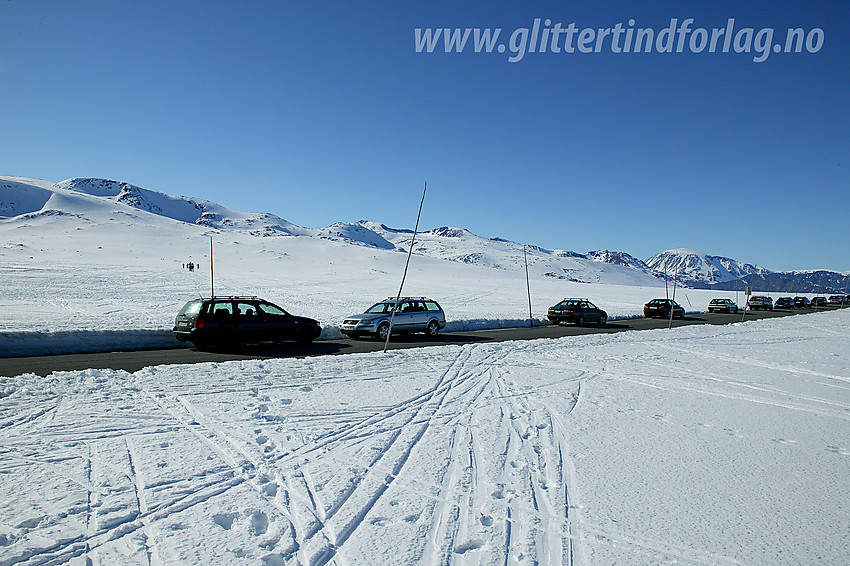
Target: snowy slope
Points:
x,y
703,445
77,196
458,244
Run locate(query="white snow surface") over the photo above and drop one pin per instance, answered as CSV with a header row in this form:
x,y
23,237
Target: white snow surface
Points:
x,y
94,265
702,445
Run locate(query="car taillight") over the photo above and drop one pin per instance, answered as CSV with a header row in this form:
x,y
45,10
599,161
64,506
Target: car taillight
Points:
x,y
568,312
551,311
199,322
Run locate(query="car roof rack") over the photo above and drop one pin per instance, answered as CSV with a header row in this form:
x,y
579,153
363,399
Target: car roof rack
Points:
x,y
230,297
407,299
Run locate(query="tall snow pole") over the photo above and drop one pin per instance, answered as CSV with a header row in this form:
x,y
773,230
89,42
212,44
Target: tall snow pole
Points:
x,y
747,296
212,278
666,291
407,263
675,276
528,288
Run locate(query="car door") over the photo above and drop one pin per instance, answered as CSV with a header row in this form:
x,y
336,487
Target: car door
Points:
x,y
418,316
403,321
248,320
276,323
591,312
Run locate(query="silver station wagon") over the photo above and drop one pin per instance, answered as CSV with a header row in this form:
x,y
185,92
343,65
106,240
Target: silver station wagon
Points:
x,y
413,314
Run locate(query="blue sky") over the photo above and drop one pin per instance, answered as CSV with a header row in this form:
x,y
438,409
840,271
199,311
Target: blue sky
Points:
x,y
322,112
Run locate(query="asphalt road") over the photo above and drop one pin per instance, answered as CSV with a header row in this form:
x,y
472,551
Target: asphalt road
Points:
x,y
135,360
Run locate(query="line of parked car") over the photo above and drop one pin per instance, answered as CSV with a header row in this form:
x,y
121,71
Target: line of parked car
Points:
x,y
227,321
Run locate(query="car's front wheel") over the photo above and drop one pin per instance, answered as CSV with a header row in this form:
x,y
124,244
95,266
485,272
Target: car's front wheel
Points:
x,y
305,336
603,320
383,331
580,321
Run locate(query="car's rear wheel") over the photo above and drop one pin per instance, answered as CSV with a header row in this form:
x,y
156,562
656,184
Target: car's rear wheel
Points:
x,y
227,337
433,328
383,331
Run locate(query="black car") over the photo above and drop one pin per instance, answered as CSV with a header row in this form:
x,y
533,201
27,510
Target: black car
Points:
x,y
578,311
662,308
228,321
801,303
784,303
818,302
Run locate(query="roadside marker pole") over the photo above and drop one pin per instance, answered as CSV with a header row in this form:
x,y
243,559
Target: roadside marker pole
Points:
x,y
675,276
749,292
407,263
528,287
212,278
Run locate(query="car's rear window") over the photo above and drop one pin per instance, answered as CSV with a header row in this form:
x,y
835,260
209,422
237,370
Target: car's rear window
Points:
x,y
192,308
432,306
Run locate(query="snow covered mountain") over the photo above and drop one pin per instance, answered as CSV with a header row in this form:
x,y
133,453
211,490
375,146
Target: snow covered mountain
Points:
x,y
702,271
129,217
697,268
97,201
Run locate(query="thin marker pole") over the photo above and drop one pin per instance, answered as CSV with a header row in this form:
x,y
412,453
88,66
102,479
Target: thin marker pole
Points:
x,y
675,276
744,311
407,263
212,277
528,287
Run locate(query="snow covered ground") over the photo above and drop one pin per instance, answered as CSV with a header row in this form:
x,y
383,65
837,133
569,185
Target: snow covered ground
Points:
x,y
701,445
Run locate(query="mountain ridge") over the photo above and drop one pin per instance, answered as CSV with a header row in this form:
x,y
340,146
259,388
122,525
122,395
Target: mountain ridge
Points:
x,y
22,197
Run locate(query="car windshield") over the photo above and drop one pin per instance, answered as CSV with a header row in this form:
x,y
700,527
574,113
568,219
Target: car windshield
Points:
x,y
380,308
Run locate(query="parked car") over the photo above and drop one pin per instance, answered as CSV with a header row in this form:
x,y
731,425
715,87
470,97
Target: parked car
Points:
x,y
818,302
801,303
412,314
662,308
578,311
722,305
837,300
228,321
758,302
784,303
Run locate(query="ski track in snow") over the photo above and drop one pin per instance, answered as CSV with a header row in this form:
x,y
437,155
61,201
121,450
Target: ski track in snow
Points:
x,y
454,455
